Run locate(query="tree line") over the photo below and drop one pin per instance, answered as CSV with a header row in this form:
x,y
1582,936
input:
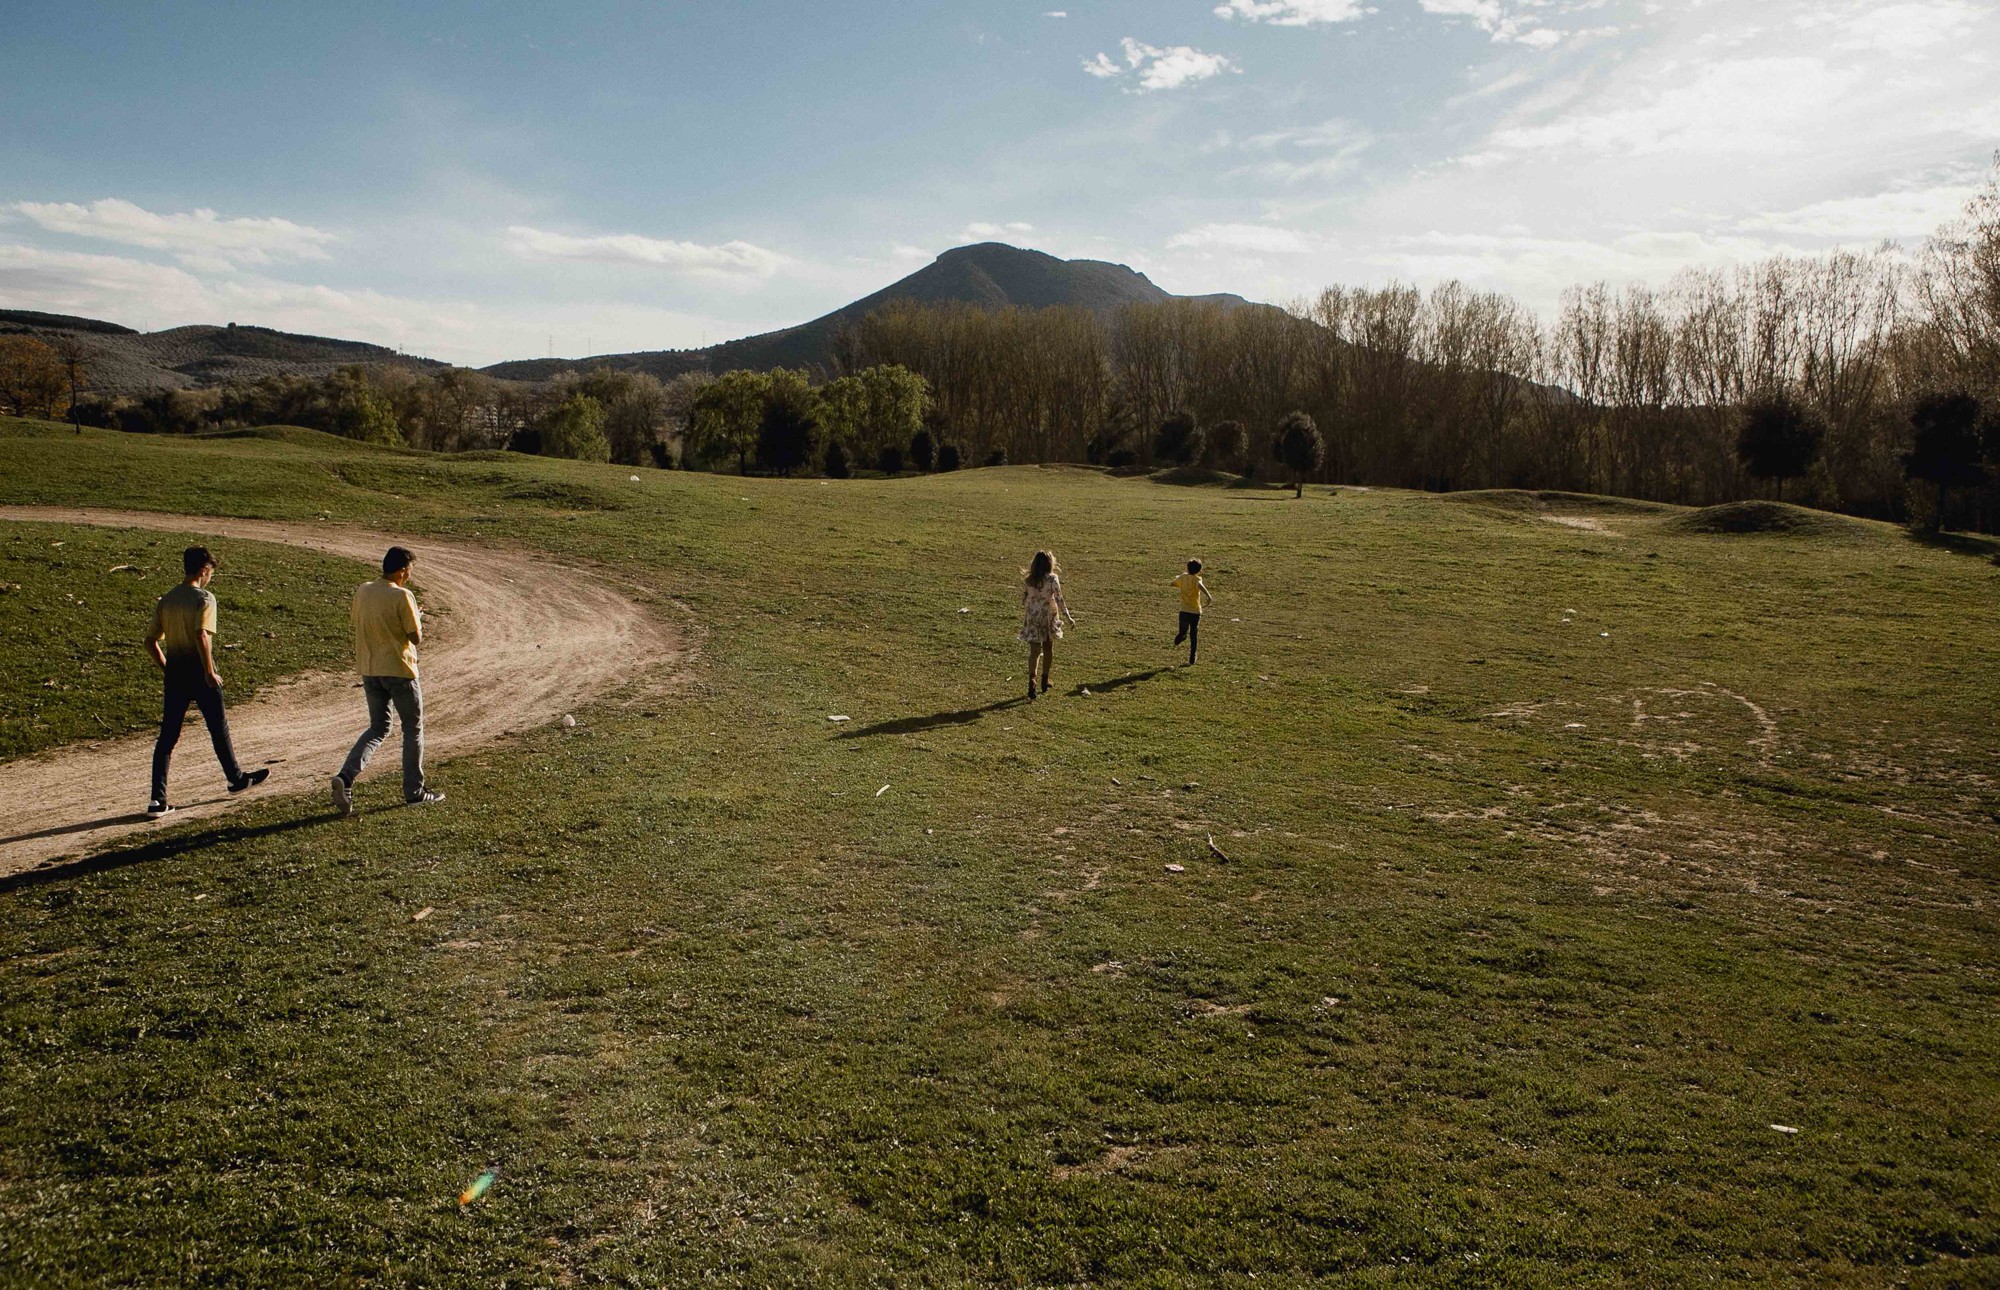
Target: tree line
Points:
x,y
1860,381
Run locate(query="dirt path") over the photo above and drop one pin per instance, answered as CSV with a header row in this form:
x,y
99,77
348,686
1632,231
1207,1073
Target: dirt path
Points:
x,y
525,642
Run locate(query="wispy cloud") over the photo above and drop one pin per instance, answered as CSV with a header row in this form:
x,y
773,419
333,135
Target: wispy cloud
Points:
x,y
1260,239
1519,22
726,261
981,231
1293,13
1155,68
1313,152
198,237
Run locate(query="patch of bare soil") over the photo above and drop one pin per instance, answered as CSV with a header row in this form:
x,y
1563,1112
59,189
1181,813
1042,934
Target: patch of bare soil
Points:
x,y
528,641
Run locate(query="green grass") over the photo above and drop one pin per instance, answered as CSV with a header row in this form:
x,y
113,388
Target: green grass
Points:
x,y
74,604
1510,967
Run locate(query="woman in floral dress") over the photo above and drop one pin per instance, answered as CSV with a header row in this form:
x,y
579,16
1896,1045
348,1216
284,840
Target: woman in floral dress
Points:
x,y
1042,612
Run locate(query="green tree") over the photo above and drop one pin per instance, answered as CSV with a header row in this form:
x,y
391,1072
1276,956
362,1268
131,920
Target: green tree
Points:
x,y
923,451
727,416
835,464
1946,449
843,411
575,429
360,411
896,403
1778,438
1228,441
788,433
1300,450
890,460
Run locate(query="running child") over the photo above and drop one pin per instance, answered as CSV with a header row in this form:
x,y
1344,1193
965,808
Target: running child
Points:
x,y
1194,594
1042,612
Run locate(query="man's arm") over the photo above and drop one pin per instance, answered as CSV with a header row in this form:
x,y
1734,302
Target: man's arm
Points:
x,y
413,621
154,634
202,643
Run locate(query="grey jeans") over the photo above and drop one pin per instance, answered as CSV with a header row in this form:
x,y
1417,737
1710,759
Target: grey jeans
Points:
x,y
408,698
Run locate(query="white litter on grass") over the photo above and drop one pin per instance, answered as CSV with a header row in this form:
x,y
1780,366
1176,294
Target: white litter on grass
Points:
x,y
569,722
422,914
1574,725
1784,1128
1604,634
839,719
1086,692
635,479
881,790
1176,868
965,611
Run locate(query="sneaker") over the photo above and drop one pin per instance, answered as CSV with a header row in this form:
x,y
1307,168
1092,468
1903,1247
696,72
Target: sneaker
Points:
x,y
1045,685
1031,691
343,796
156,809
250,780
424,798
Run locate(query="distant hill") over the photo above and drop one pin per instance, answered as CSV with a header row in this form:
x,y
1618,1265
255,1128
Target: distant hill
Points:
x,y
124,361
988,275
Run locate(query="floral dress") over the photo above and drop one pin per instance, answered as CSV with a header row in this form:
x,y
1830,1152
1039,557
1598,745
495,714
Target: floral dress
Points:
x,y
1042,609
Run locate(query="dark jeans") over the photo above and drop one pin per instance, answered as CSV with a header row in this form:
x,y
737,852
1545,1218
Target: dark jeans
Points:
x,y
407,697
1190,631
186,683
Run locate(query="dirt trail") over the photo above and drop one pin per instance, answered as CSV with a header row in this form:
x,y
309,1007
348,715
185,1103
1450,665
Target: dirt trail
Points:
x,y
525,641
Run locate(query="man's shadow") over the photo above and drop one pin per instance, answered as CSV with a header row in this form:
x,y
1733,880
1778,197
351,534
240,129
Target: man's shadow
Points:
x,y
164,849
911,725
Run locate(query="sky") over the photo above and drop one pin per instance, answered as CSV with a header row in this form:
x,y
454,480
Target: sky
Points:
x,y
483,181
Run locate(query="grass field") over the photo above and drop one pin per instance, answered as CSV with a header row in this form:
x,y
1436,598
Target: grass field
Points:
x,y
1563,861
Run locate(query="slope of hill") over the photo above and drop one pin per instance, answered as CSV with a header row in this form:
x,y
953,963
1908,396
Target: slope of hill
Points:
x,y
123,361
988,275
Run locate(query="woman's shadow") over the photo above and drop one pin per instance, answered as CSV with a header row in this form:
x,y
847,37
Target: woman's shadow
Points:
x,y
966,716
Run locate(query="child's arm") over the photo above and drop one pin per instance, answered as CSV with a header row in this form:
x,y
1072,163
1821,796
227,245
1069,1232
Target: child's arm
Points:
x,y
1207,597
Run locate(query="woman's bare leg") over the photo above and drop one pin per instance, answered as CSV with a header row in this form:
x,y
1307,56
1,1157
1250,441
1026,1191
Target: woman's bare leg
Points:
x,y
1034,652
1048,660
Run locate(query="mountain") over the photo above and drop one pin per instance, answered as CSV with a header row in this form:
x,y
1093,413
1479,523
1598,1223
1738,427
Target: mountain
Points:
x,y
123,361
989,275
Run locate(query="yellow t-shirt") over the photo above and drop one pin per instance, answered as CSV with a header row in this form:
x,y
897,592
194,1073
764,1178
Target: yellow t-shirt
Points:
x,y
1191,588
179,619
385,617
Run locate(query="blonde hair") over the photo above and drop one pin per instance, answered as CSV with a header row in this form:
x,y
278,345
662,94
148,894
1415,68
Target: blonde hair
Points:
x,y
1041,569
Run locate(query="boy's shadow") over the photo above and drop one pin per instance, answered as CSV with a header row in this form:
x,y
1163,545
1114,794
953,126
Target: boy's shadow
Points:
x,y
1119,682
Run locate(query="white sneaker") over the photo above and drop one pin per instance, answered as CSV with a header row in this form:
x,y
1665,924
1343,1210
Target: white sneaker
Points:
x,y
343,796
157,809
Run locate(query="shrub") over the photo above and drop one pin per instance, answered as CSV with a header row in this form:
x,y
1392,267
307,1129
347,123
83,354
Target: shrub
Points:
x,y
998,457
1946,449
890,460
836,466
947,457
1228,442
1179,440
788,433
923,451
1778,439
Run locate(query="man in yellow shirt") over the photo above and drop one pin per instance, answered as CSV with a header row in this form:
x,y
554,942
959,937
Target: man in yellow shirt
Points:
x,y
1194,593
181,641
387,631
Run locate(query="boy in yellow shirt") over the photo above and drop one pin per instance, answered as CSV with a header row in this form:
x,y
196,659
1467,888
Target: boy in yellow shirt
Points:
x,y
1194,594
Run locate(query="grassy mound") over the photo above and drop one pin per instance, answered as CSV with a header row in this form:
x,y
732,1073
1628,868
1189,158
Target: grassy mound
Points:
x,y
1194,477
301,437
1765,517
1547,501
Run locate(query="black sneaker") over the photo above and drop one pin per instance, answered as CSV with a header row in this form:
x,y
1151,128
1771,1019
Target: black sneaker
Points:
x,y
1045,685
251,780
157,808
424,798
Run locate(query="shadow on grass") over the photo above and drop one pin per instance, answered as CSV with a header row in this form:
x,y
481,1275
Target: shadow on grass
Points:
x,y
911,725
64,830
1119,682
165,849
1972,544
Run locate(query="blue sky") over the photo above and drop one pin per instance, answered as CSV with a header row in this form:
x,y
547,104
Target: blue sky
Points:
x,y
486,181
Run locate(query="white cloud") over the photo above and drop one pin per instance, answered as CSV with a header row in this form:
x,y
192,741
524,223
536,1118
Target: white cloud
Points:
x,y
1905,215
1160,69
1292,13
1748,105
1896,29
1260,239
727,261
1056,13
199,237
1517,22
981,231
1314,152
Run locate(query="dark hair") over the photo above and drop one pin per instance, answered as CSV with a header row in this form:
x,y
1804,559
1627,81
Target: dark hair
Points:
x,y
1040,568
398,558
195,559
1194,566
